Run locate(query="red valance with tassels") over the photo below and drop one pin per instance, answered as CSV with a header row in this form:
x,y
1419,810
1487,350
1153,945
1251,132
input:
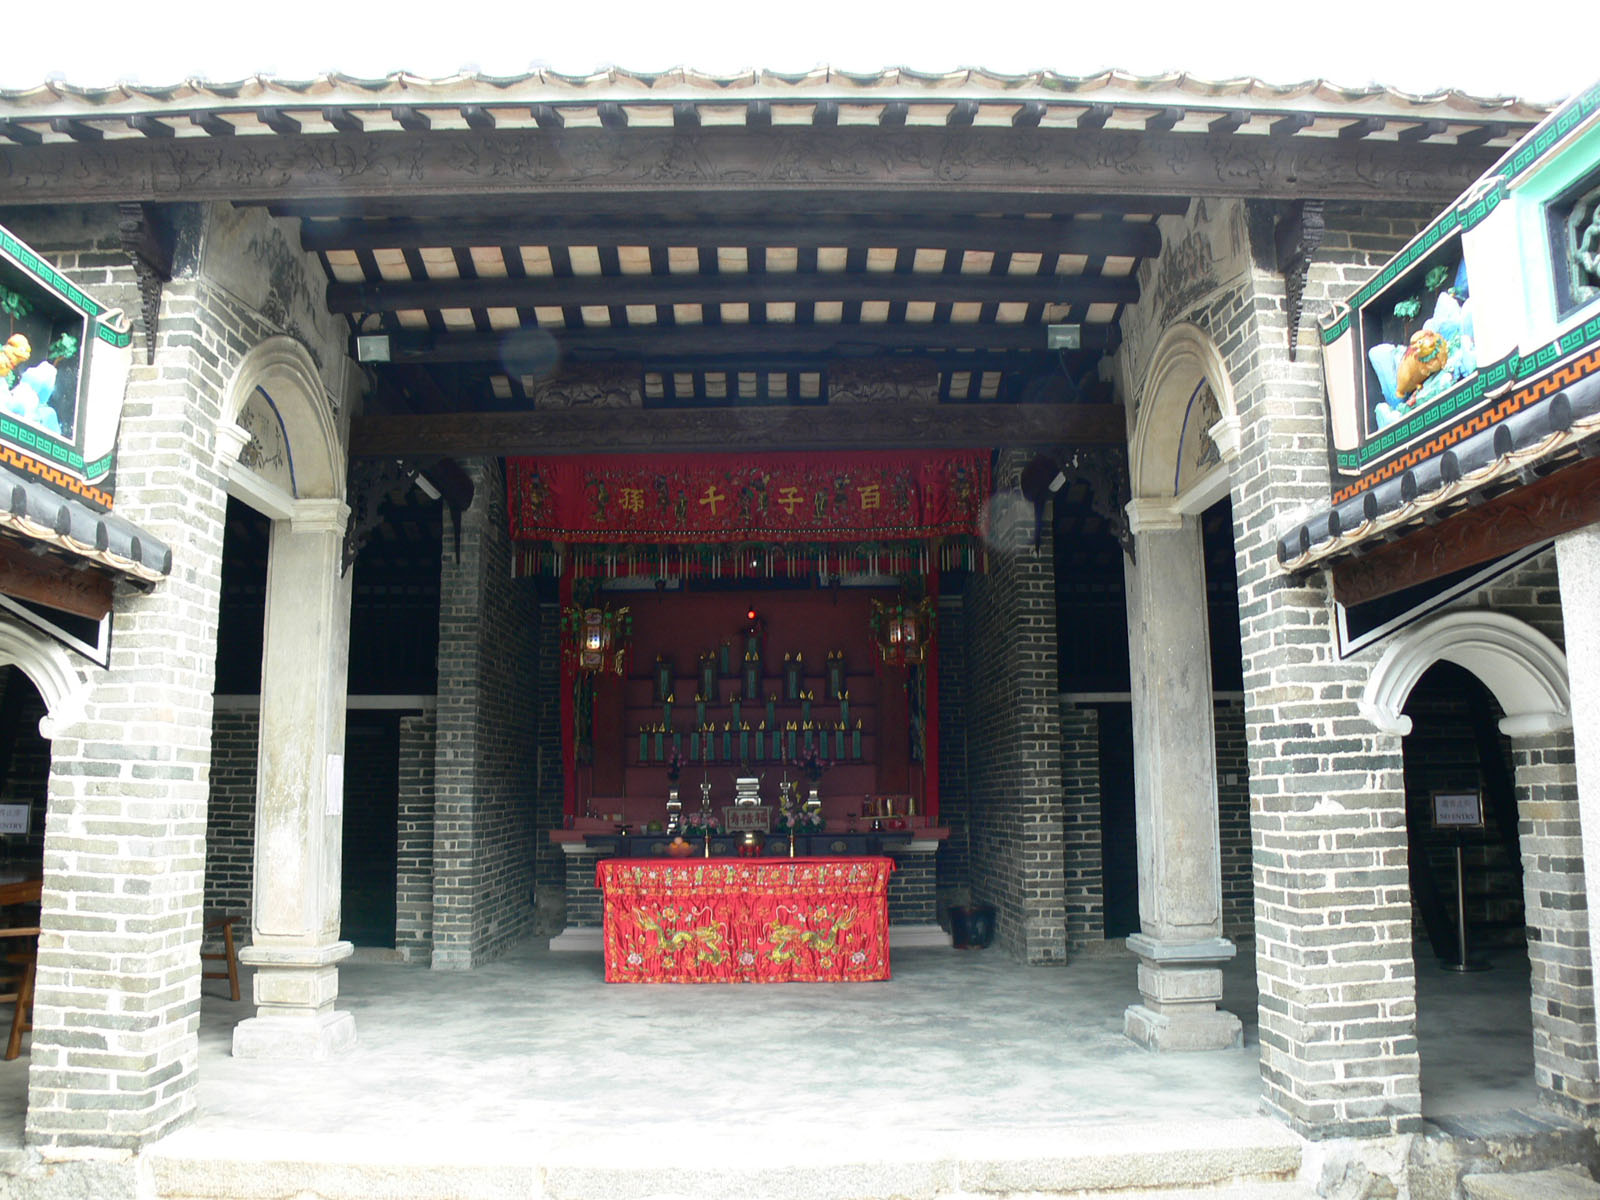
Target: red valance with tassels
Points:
x,y
838,506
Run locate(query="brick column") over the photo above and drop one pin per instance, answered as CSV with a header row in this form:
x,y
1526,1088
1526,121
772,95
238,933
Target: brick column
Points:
x,y
1557,913
1578,564
487,751
1014,730
1180,944
116,1011
1080,785
1333,910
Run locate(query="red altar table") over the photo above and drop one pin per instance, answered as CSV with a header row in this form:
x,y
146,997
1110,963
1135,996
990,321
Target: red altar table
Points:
x,y
745,920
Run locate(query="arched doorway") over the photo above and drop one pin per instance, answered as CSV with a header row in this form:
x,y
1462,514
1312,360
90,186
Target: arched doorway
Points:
x,y
1523,674
284,458
1185,434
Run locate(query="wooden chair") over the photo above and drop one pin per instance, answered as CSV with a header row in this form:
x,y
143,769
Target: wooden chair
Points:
x,y
222,923
19,962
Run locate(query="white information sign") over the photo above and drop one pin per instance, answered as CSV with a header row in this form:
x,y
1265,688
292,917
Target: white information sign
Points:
x,y
14,818
1458,810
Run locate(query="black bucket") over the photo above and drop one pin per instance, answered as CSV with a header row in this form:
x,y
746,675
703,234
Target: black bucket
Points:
x,y
981,925
971,926
960,926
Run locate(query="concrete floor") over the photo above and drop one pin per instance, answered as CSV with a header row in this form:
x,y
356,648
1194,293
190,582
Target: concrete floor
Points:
x,y
959,1045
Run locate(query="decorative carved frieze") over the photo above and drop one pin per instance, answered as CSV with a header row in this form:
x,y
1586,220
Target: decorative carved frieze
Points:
x,y
883,380
598,385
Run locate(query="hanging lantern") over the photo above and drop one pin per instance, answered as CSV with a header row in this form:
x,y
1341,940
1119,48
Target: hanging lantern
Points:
x,y
903,630
597,638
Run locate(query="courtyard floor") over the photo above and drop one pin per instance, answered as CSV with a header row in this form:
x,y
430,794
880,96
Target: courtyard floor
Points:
x,y
959,1049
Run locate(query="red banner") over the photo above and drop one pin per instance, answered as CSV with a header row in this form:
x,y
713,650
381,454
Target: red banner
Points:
x,y
730,920
717,498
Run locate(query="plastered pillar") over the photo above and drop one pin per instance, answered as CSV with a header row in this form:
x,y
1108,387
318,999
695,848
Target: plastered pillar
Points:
x,y
299,799
1578,564
1180,944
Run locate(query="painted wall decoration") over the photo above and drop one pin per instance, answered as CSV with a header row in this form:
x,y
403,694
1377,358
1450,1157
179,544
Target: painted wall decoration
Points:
x,y
64,362
1464,327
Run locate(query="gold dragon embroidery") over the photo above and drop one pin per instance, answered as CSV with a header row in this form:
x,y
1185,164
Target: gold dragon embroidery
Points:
x,y
823,941
670,941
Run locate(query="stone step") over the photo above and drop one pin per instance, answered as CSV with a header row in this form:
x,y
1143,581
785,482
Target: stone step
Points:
x,y
1570,1182
1251,1159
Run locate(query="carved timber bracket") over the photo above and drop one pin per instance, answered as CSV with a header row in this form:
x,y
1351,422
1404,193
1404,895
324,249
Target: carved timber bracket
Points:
x,y
374,480
1105,470
147,239
1297,237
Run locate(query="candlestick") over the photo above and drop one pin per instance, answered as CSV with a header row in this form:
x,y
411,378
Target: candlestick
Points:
x,y
700,708
727,742
666,712
805,706
659,740
844,706
838,740
734,705
761,741
644,738
855,740
791,732
777,745
772,711
694,743
724,655
744,742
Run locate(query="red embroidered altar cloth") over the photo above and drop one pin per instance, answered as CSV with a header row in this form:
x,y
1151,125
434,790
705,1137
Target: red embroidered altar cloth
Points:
x,y
746,920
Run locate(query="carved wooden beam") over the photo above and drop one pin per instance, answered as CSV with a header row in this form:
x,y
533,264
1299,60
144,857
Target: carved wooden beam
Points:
x,y
474,162
1559,503
746,343
1131,239
147,239
932,287
45,579
887,425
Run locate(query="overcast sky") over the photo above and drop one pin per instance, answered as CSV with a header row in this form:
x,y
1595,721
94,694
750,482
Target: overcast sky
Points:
x,y
1422,48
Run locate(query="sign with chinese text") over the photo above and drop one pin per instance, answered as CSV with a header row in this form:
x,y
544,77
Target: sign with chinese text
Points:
x,y
64,362
837,497
1458,810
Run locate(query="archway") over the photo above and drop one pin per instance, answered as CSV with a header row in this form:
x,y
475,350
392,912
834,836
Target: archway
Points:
x,y
1185,435
1526,674
279,441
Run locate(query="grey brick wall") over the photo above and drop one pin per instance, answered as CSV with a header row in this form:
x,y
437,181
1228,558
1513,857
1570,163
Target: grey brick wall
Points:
x,y
486,757
231,813
912,889
1081,848
1014,737
1564,1044
1233,822
413,935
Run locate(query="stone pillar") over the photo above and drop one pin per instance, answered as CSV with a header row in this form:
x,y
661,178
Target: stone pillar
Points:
x,y
295,942
1557,908
1578,563
1180,944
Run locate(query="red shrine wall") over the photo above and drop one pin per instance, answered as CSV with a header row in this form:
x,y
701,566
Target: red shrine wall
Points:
x,y
680,628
